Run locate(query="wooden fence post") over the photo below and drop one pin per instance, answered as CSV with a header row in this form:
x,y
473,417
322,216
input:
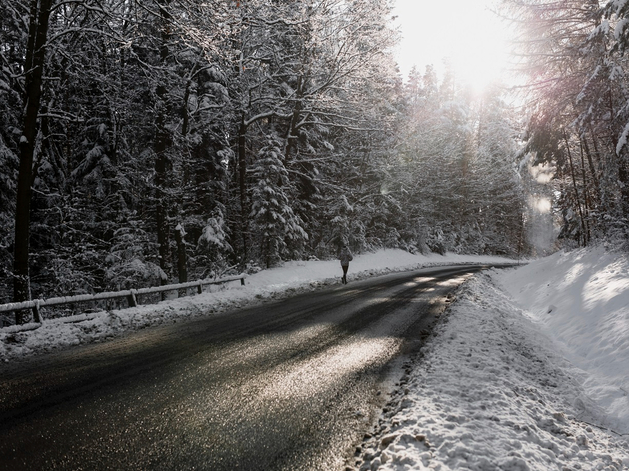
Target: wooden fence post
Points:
x,y
36,312
132,299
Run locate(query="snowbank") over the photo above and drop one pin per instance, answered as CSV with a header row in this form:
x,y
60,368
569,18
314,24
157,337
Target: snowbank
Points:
x,y
498,385
16,342
581,301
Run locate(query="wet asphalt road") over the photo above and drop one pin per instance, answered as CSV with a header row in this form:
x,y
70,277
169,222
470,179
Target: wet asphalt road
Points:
x,y
288,385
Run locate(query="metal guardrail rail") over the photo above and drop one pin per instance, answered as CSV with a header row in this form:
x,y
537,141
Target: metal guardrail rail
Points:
x,y
131,295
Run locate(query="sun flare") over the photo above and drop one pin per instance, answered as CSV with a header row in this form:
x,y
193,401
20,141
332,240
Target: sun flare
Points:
x,y
467,35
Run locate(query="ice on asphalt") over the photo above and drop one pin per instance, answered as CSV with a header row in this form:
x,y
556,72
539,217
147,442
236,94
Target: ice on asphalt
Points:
x,y
527,370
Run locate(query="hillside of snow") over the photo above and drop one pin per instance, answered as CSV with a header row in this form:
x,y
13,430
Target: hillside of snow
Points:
x,y
528,370
580,300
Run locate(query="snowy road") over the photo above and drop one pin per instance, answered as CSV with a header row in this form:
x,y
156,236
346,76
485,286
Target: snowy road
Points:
x,y
286,385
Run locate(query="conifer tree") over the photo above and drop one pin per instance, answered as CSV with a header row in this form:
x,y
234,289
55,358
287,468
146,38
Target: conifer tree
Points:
x,y
281,235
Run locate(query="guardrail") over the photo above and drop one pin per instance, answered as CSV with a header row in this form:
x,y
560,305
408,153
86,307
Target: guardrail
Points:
x,y
131,295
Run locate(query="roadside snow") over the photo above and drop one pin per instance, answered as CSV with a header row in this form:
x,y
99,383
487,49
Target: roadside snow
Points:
x,y
528,370
20,341
581,301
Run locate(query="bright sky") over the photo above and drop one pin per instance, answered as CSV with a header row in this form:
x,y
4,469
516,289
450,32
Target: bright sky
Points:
x,y
464,31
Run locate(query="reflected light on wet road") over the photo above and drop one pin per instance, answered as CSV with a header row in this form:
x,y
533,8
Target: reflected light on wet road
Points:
x,y
274,387
307,379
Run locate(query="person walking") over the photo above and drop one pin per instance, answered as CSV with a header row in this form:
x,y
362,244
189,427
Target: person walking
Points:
x,y
345,257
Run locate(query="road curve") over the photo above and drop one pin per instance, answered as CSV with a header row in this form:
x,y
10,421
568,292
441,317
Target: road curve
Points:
x,y
288,385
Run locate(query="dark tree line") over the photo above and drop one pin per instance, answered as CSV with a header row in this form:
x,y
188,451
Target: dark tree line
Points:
x,y
159,141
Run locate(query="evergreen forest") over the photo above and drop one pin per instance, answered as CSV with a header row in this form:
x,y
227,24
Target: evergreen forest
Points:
x,y
160,141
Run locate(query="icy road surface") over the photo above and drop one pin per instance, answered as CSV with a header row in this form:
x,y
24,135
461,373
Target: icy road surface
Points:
x,y
287,385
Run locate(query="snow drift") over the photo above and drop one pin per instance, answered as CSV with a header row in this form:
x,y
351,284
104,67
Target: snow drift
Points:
x,y
581,301
527,370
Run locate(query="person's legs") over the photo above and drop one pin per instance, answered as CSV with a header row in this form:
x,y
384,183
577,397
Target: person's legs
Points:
x,y
345,274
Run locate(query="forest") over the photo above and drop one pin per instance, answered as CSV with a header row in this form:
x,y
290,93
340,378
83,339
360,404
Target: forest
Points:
x,y
161,141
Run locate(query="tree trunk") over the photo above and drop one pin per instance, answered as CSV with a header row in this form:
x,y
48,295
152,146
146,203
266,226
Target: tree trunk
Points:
x,y
586,195
291,136
182,266
576,191
242,183
593,172
161,146
160,199
182,259
34,65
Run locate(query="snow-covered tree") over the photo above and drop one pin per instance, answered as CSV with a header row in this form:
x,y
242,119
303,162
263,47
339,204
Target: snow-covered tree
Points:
x,y
572,53
213,247
280,231
456,170
127,263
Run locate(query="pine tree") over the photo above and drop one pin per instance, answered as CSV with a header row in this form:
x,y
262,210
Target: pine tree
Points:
x,y
280,230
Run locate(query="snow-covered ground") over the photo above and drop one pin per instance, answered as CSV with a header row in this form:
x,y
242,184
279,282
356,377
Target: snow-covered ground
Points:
x,y
528,370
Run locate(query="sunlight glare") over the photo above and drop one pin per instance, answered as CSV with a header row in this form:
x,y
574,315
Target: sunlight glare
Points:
x,y
541,204
467,34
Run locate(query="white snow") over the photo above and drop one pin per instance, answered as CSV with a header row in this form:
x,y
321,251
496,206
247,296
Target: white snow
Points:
x,y
528,369
581,301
